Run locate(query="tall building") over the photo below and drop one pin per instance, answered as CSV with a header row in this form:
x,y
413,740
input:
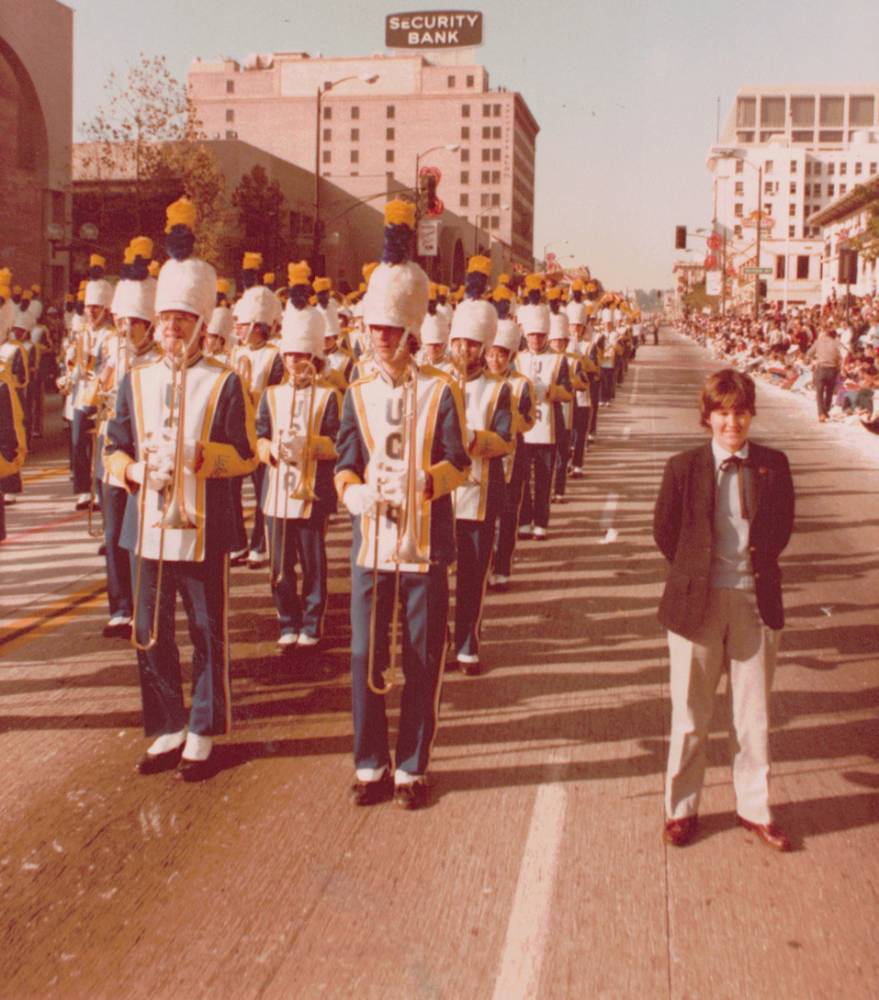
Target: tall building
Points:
x,y
482,140
36,122
812,144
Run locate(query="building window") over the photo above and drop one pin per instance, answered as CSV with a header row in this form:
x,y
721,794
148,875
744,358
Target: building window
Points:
x,y
465,177
740,166
737,211
464,200
486,111
767,169
872,169
737,232
791,209
496,156
816,168
486,131
496,110
831,168
230,114
843,168
486,155
465,155
327,156
861,110
390,111
495,131
746,112
230,86
792,231
486,177
355,155
816,190
328,112
355,135
496,198
465,131
793,187
802,267
793,166
230,134
831,111
779,266
767,187
483,200
471,80
831,190
389,156
802,111
355,112
450,82
495,222
843,188
495,177
858,167
327,135
465,110
740,187
772,112
390,134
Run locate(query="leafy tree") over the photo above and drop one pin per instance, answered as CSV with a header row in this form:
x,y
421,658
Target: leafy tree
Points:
x,y
259,202
867,242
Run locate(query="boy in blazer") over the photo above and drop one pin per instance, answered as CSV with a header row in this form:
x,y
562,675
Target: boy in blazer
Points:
x,y
723,516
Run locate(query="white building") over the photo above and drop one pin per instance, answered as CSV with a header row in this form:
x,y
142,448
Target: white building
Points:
x,y
844,219
807,145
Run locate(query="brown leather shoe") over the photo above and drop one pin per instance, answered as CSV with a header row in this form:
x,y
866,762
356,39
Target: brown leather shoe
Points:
x,y
679,832
769,833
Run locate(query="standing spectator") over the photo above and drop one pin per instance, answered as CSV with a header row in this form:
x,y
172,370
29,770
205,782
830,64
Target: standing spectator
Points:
x,y
827,355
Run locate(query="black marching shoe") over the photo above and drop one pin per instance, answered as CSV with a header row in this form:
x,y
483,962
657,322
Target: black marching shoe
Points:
x,y
155,763
195,770
368,793
412,795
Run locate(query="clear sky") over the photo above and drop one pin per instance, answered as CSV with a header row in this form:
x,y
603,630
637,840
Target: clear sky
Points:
x,y
625,91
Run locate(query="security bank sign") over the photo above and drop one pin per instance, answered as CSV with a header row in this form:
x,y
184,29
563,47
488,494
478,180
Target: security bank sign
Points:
x,y
434,29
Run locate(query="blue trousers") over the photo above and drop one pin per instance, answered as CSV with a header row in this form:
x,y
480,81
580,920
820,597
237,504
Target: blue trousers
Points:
x,y
82,440
582,416
475,540
204,588
563,453
594,399
535,504
304,545
424,608
258,531
607,384
113,500
508,522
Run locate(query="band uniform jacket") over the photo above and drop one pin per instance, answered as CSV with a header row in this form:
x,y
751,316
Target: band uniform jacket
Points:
x,y
683,528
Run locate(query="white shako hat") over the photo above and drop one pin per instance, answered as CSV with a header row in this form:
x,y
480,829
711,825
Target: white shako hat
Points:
x,y
7,312
509,335
475,319
99,292
24,319
559,326
435,329
135,299
185,283
221,323
302,332
258,304
330,318
533,318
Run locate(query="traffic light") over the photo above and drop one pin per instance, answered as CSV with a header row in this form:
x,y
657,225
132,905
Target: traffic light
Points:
x,y
680,237
427,192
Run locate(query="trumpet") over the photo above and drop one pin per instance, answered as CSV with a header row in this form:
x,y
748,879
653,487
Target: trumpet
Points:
x,y
244,368
407,548
304,376
174,514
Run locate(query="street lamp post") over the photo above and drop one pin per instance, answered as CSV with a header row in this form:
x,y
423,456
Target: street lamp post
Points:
x,y
321,90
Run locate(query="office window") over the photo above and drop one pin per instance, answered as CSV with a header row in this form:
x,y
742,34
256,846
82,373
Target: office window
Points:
x,y
464,200
486,177
843,168
740,187
486,155
465,110
861,110
737,232
816,190
465,155
484,200
802,267
802,111
858,167
327,135
355,112
793,187
807,190
737,210
496,156
355,135
450,81
792,231
495,222
740,166
495,177
831,168
767,187
496,198
355,155
465,131
355,173
769,166
390,134
831,111
872,169
496,110
486,111
486,131
791,209
230,86
772,112
471,80
495,131
831,190
326,156
465,177
779,266
816,168
389,156
843,188
230,134
328,112
391,111
746,112
793,166
808,168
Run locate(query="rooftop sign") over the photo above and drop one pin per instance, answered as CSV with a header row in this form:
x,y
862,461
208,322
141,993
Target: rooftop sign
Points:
x,y
434,29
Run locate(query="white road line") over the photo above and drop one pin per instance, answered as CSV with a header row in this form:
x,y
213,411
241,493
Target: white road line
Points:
x,y
609,509
528,926
627,432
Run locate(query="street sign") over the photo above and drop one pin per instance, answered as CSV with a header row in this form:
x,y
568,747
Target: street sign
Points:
x,y
428,237
758,270
712,283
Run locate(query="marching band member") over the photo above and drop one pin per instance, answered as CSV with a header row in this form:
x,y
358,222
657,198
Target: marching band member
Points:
x,y
558,338
296,429
221,327
478,501
435,337
13,445
13,367
338,360
552,387
401,454
133,310
182,429
583,398
523,408
259,365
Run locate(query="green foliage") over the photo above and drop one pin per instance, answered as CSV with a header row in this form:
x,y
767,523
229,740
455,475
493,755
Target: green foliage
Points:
x,y
867,242
260,202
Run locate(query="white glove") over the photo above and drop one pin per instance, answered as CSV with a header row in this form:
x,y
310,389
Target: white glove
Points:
x,y
393,480
292,447
156,478
358,498
471,439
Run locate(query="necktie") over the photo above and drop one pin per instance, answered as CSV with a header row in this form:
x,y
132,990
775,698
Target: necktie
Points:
x,y
738,465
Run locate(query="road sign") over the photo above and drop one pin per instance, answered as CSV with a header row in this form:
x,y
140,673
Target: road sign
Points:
x,y
758,270
428,237
712,283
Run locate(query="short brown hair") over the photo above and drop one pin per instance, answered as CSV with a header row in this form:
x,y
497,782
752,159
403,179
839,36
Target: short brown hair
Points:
x,y
727,390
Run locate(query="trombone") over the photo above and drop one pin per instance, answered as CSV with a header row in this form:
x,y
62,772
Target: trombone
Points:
x,y
107,387
407,548
174,515
304,376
